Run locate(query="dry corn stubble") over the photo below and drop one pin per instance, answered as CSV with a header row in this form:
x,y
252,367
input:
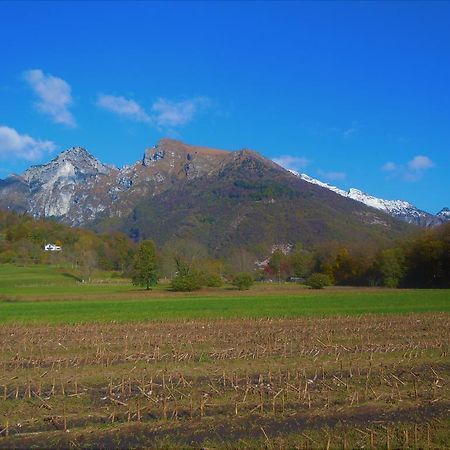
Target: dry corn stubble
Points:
x,y
341,381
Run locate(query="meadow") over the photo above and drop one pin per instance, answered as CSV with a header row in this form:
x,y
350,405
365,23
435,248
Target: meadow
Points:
x,y
43,294
106,365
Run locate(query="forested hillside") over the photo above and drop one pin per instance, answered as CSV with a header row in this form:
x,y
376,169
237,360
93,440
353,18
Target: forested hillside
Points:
x,y
420,259
22,241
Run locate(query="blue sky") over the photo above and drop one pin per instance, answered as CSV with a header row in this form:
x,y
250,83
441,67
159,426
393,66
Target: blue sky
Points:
x,y
353,93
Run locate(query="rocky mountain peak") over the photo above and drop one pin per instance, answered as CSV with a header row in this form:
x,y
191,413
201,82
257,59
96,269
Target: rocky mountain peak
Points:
x,y
83,160
53,186
170,159
444,213
74,162
75,153
173,150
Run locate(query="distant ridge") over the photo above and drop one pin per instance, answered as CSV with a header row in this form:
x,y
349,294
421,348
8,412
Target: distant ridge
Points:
x,y
400,209
226,201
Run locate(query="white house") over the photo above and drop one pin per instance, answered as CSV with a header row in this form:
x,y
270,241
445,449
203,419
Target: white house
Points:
x,y
52,248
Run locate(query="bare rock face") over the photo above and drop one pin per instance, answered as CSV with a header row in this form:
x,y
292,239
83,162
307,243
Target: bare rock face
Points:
x,y
55,189
152,155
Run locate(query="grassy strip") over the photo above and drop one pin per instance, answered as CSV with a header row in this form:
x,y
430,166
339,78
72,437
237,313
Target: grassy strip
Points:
x,y
214,307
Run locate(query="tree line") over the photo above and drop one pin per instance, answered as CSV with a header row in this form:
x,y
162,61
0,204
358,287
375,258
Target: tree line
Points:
x,y
419,260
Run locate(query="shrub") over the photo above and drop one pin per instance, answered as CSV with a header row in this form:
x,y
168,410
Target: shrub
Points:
x,y
8,256
213,280
243,281
318,280
187,282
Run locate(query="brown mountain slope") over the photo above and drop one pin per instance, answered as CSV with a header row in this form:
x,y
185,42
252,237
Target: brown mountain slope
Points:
x,y
221,199
246,201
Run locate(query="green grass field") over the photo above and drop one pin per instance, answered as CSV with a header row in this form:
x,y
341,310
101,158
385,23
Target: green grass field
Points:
x,y
44,294
53,281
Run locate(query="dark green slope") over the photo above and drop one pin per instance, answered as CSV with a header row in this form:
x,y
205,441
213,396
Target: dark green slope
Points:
x,y
252,203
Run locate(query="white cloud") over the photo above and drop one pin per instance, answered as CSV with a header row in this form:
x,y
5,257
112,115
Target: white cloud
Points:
x,y
15,145
171,114
420,162
332,175
290,162
164,113
412,171
123,107
55,97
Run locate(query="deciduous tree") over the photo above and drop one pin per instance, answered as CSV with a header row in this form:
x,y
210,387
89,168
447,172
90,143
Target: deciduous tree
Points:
x,y
145,265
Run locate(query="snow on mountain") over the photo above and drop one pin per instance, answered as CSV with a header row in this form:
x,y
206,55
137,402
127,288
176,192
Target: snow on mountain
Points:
x,y
444,213
397,208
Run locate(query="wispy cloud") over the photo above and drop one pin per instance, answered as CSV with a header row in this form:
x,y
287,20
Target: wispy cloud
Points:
x,y
22,146
350,131
163,113
123,107
346,132
172,114
412,171
389,167
290,162
54,94
332,175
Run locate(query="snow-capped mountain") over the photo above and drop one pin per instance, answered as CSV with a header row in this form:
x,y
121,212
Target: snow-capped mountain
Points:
x,y
397,208
444,214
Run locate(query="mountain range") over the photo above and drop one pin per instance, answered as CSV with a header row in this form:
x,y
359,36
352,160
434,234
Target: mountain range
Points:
x,y
400,209
223,200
